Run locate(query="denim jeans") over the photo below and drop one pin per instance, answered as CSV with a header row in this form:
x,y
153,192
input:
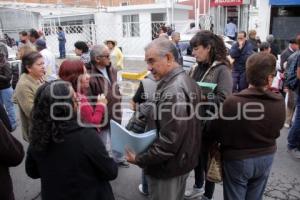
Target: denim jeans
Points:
x,y
6,101
200,172
246,179
144,182
294,132
239,81
62,49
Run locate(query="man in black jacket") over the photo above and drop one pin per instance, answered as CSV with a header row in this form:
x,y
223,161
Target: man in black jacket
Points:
x,y
175,152
293,46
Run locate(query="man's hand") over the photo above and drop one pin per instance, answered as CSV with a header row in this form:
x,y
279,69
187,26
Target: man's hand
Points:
x,y
241,43
130,155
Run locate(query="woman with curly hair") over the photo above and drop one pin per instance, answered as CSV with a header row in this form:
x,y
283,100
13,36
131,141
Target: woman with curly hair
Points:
x,y
75,73
70,160
214,68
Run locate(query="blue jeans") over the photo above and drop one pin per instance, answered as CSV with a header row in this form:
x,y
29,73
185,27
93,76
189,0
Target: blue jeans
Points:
x,y
239,81
246,179
294,132
144,182
6,101
62,49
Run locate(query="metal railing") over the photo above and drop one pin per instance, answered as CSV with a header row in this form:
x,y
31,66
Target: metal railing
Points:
x,y
131,36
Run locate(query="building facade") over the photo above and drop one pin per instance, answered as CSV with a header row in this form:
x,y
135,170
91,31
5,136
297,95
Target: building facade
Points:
x,y
90,3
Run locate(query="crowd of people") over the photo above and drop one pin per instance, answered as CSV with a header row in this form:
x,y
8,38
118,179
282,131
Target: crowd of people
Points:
x,y
224,104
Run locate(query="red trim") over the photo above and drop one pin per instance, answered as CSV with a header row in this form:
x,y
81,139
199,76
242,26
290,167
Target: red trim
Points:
x,y
214,3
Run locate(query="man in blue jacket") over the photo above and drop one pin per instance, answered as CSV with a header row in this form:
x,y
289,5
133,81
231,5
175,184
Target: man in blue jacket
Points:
x,y
61,43
240,51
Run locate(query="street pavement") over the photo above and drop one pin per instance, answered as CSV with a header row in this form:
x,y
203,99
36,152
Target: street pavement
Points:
x,y
283,184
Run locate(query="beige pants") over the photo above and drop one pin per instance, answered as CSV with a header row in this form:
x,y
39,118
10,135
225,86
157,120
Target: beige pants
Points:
x,y
167,189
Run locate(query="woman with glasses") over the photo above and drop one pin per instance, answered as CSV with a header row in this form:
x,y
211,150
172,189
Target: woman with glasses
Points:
x,y
75,73
70,160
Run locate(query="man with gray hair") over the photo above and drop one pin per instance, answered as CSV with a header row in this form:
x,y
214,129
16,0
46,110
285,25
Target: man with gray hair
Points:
x,y
175,39
274,48
265,47
176,150
104,81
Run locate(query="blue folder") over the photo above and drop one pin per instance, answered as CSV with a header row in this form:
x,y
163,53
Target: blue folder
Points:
x,y
121,138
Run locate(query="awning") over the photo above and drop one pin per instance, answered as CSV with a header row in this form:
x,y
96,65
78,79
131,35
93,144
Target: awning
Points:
x,y
215,3
284,2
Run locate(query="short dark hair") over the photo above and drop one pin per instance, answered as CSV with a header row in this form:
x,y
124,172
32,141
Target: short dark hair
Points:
x,y
243,32
60,28
29,59
258,67
34,33
293,41
23,33
82,46
192,25
264,45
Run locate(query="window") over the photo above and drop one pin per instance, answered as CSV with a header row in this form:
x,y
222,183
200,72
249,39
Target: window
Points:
x,y
73,26
131,27
124,4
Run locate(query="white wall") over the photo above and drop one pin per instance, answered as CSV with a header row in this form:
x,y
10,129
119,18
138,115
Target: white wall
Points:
x,y
109,26
264,14
181,15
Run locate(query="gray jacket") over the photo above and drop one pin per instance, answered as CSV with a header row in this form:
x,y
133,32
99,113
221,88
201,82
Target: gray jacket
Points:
x,y
217,73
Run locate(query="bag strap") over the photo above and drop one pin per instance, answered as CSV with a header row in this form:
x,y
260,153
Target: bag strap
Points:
x,y
215,64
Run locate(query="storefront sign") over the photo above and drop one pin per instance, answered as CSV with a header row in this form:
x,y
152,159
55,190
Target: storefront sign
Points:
x,y
214,3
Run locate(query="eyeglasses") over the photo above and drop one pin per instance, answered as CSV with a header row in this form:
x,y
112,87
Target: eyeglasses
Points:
x,y
104,56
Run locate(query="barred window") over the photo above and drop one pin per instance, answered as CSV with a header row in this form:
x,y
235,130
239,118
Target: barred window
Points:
x,y
74,26
131,26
